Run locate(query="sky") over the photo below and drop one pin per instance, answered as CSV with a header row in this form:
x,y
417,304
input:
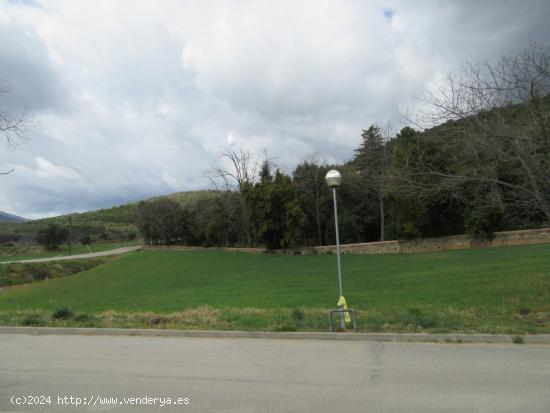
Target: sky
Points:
x,y
137,98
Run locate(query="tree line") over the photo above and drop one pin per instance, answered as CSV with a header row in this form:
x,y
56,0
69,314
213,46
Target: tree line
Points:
x,y
476,161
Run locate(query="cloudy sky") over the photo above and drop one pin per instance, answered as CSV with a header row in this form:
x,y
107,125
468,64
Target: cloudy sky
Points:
x,y
137,98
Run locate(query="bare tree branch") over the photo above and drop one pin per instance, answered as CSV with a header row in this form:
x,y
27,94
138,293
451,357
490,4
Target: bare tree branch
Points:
x,y
490,126
233,168
13,127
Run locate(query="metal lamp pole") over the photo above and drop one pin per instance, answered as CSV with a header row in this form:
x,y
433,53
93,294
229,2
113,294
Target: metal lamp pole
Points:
x,y
334,179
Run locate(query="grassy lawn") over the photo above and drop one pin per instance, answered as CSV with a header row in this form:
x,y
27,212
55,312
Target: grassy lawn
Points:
x,y
498,290
24,253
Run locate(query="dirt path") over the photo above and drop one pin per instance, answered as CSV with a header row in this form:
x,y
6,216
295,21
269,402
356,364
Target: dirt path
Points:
x,y
116,251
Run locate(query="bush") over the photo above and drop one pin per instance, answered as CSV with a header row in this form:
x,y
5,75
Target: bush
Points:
x,y
105,236
63,313
482,224
86,240
298,314
8,238
518,340
32,320
85,319
40,273
52,236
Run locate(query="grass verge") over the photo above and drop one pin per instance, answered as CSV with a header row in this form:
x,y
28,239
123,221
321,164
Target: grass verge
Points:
x,y
283,319
23,273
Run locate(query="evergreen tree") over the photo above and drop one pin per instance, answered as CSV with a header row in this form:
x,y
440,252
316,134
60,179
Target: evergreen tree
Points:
x,y
372,161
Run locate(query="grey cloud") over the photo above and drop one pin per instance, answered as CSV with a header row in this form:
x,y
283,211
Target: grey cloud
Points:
x,y
138,99
28,71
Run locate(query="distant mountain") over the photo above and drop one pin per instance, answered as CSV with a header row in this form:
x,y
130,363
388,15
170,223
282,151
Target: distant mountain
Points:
x,y
5,217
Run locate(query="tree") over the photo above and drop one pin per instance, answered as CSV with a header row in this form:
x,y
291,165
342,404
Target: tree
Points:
x,y
373,163
234,209
492,138
234,168
309,178
222,221
274,210
414,210
156,220
12,126
52,236
356,211
185,226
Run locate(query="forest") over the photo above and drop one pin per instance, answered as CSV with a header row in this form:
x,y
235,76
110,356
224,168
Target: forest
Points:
x,y
476,159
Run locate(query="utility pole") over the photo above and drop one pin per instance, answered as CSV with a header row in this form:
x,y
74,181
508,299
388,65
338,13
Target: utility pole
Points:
x,y
70,235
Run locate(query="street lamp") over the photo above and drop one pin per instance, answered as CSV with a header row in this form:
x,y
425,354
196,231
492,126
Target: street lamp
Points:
x,y
334,179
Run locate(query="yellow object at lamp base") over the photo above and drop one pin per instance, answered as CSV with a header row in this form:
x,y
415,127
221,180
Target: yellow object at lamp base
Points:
x,y
342,302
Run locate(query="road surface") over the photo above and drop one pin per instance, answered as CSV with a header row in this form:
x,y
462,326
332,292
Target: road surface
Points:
x,y
117,251
259,375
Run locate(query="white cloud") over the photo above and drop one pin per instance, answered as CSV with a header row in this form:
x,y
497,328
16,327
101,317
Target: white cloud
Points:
x,y
137,98
47,170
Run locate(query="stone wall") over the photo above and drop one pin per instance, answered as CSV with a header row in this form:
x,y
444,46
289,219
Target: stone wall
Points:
x,y
185,248
454,242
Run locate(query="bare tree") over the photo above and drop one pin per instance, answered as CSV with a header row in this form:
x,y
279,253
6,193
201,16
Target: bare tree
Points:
x,y
493,132
13,126
234,167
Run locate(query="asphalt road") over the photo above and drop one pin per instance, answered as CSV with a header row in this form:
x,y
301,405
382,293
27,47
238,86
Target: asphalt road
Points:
x,y
258,375
117,251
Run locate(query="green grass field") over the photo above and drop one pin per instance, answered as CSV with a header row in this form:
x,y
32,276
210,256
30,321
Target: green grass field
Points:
x,y
498,290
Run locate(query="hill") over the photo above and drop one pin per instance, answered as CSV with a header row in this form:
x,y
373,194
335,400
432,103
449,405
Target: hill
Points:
x,y
5,217
115,223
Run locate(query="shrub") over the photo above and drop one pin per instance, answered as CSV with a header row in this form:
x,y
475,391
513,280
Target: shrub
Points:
x,y
52,236
8,238
518,340
298,314
63,313
86,240
81,318
105,236
40,273
524,311
32,320
86,320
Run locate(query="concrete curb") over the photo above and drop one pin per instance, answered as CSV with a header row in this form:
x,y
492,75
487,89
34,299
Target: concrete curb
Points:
x,y
388,337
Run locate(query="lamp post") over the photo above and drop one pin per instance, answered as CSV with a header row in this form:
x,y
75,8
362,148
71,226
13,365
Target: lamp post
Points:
x,y
334,179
